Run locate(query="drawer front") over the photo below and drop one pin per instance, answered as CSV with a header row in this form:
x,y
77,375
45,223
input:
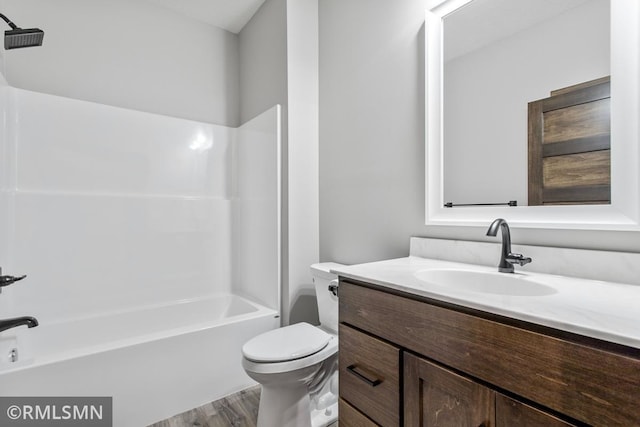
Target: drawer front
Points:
x,y
589,384
510,413
369,376
351,417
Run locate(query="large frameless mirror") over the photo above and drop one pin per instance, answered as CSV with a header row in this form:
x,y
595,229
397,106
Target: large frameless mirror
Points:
x,y
533,103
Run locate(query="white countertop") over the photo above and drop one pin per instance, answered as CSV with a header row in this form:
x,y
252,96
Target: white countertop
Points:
x,y
604,310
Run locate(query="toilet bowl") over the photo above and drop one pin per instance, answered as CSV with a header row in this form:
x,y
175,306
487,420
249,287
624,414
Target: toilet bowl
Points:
x,y
297,365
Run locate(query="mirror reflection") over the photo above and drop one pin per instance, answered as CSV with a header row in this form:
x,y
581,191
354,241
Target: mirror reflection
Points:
x,y
526,102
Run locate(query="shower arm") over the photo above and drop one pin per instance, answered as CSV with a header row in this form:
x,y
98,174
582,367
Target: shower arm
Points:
x,y
17,37
8,21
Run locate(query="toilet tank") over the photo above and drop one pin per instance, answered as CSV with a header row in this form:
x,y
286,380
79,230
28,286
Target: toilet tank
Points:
x,y
327,302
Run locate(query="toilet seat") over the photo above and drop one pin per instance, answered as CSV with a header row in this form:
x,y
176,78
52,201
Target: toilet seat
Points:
x,y
286,344
281,367
297,366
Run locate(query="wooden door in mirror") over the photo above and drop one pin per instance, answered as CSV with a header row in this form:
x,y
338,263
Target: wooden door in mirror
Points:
x,y
570,145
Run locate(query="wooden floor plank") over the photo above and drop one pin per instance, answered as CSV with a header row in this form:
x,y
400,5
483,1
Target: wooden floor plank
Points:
x,y
237,410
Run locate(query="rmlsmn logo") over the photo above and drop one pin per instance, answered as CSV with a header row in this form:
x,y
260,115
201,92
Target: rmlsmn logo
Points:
x,y
53,412
56,411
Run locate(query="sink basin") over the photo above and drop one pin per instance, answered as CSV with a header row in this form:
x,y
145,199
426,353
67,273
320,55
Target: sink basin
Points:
x,y
512,284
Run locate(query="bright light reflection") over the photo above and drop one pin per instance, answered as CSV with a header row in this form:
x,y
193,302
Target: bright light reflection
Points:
x,y
201,142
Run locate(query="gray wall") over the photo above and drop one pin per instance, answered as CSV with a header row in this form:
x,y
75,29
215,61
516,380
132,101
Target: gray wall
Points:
x,y
263,60
278,65
372,139
371,128
263,83
128,54
489,89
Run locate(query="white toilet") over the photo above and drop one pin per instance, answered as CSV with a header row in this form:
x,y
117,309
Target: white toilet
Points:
x,y
297,365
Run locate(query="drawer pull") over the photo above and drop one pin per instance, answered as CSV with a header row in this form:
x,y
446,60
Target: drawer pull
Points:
x,y
372,383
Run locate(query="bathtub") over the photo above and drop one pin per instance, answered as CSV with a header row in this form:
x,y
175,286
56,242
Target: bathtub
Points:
x,y
155,361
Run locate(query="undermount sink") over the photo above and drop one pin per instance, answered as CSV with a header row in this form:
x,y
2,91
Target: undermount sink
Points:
x,y
512,284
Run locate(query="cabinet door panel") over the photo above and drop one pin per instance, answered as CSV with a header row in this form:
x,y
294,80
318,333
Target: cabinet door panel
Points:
x,y
510,413
436,397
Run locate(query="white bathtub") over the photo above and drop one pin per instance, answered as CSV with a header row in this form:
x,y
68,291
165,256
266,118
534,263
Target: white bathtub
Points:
x,y
155,362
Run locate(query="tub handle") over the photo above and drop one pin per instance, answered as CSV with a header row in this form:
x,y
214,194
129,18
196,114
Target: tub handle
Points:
x,y
8,280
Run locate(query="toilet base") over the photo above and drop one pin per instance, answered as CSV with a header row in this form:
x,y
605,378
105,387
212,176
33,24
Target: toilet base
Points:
x,y
291,407
324,417
284,407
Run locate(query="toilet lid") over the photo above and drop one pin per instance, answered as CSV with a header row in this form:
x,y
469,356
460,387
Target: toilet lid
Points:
x,y
288,343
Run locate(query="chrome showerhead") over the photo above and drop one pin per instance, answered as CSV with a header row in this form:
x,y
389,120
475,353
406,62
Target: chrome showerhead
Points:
x,y
17,37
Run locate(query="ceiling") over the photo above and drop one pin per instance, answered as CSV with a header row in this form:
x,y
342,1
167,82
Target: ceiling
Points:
x,y
482,22
231,15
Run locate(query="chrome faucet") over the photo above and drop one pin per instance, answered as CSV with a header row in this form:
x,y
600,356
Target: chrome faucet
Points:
x,y
507,258
29,321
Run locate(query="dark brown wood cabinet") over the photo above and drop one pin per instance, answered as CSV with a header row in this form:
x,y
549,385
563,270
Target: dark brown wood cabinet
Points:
x,y
428,363
510,413
570,145
351,417
435,396
370,376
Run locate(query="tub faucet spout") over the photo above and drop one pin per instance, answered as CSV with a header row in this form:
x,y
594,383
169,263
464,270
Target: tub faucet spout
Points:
x,y
29,321
507,258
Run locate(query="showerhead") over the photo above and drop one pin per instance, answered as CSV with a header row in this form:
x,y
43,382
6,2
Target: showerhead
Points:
x,y
14,39
17,37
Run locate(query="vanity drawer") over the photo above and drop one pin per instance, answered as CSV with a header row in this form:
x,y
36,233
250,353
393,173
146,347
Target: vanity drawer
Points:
x,y
583,379
510,413
369,376
351,417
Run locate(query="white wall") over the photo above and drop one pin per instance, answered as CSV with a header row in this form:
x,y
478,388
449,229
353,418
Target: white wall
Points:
x,y
488,90
135,55
372,139
4,185
303,180
255,210
278,64
129,54
112,209
109,209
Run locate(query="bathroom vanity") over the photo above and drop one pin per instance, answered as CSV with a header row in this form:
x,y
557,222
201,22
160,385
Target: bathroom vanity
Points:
x,y
415,355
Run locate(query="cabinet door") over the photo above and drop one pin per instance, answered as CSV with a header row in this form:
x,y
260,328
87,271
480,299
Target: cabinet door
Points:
x,y
511,413
434,396
570,145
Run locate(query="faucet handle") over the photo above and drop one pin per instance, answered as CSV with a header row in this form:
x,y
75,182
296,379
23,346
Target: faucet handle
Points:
x,y
518,259
333,287
8,280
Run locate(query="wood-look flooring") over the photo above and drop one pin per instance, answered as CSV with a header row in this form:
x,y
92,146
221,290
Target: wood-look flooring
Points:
x,y
237,410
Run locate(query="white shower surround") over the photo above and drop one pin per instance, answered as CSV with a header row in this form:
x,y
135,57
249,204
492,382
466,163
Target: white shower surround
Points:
x,y
118,214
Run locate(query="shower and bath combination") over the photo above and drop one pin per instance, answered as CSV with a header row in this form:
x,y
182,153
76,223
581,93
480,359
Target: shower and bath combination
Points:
x,y
18,37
